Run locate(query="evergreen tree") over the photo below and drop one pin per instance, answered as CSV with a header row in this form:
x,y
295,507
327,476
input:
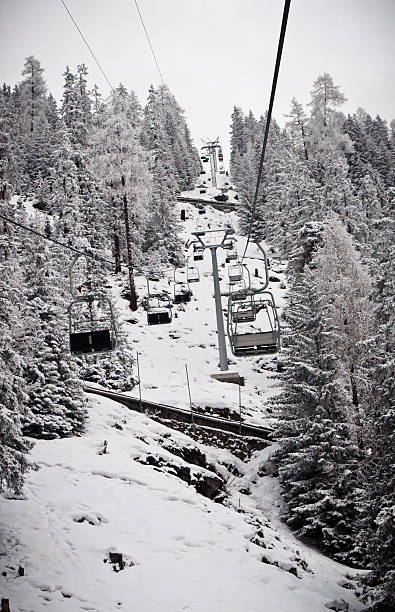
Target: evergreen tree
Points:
x,y
317,460
14,462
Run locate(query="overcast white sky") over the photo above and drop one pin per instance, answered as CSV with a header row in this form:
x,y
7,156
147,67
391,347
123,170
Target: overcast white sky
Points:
x,y
213,53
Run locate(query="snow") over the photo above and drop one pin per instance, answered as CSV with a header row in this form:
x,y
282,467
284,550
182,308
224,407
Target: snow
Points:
x,y
181,550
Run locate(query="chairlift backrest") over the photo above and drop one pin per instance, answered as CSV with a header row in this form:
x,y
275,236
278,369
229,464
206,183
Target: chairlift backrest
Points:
x,y
193,275
235,273
92,326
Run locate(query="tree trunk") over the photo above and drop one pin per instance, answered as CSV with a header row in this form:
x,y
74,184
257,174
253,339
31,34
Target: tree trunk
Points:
x,y
133,296
117,255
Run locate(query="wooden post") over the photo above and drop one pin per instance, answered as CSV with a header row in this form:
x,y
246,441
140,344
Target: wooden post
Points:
x,y
183,214
189,391
5,605
133,296
138,374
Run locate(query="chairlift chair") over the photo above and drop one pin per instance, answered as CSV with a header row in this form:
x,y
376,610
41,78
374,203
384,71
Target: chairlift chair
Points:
x,y
92,326
198,252
231,255
158,313
193,275
257,341
242,309
182,293
235,273
238,288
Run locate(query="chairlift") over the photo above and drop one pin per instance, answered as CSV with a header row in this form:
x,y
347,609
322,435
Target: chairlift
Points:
x,y
193,275
198,252
92,327
231,254
238,288
253,341
242,309
235,273
157,312
182,293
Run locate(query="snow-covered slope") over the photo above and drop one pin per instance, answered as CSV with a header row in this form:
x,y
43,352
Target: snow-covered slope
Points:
x,y
181,550
197,529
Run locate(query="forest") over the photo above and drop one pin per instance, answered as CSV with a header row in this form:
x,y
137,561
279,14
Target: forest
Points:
x,y
325,204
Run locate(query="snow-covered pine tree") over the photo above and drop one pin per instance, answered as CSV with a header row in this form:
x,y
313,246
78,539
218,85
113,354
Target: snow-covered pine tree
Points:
x,y
297,128
34,123
346,283
380,428
55,394
76,106
317,459
119,161
162,229
14,462
238,140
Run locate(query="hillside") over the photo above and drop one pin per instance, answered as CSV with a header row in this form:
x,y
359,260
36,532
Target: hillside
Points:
x,y
136,516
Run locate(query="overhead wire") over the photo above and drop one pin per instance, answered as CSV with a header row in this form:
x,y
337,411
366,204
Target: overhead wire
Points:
x,y
269,116
62,244
149,42
87,44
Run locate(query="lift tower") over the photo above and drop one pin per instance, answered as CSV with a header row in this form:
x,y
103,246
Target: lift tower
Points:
x,y
211,147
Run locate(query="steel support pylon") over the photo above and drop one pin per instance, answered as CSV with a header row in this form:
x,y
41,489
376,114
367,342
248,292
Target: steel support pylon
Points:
x,y
223,358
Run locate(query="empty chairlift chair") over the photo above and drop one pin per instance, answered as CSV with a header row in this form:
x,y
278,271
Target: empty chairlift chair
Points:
x,y
235,273
231,254
198,252
182,293
91,325
243,310
247,341
193,275
158,312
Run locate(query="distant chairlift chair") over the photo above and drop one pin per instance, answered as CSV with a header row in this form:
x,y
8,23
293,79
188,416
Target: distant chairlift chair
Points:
x,y
158,313
182,293
231,254
235,273
193,275
198,252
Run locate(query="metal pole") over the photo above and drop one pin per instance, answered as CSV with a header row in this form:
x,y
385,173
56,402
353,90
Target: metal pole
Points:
x,y
189,391
223,358
138,373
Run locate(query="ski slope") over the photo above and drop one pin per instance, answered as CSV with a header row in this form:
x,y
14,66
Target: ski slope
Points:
x,y
181,550
191,337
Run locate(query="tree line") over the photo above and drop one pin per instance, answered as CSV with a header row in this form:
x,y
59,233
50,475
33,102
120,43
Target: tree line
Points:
x,y
85,165
326,203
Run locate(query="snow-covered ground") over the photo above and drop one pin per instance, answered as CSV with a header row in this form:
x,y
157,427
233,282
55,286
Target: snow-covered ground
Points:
x,y
181,550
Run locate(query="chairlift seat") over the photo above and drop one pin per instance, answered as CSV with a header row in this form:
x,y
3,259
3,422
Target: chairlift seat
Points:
x,y
182,293
235,274
95,341
158,316
255,343
193,275
244,315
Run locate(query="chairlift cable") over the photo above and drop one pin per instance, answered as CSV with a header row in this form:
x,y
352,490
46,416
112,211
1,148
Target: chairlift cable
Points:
x,y
61,244
87,44
149,42
269,116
